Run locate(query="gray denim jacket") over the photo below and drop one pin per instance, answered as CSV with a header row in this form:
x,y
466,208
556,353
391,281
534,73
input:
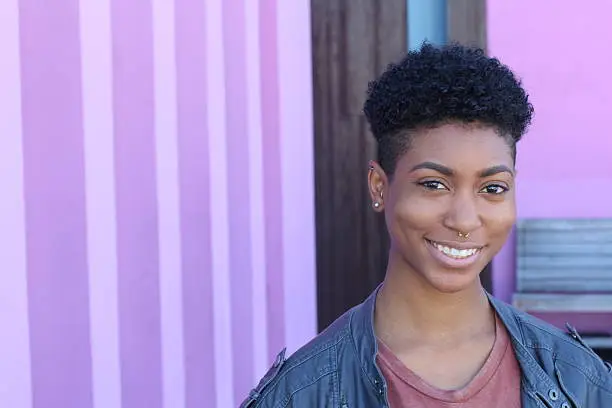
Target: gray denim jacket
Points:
x,y
337,369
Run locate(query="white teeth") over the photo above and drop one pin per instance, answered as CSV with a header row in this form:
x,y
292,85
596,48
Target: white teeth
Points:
x,y
454,252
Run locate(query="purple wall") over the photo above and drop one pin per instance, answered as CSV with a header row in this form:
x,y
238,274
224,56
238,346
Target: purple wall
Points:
x,y
156,220
565,162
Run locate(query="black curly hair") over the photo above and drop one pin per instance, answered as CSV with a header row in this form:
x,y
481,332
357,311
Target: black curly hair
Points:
x,y
432,86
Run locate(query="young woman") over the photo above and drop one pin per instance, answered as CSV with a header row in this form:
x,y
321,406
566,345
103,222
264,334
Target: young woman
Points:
x,y
446,121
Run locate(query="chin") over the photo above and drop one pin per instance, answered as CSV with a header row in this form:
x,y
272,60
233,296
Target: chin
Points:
x,y
453,281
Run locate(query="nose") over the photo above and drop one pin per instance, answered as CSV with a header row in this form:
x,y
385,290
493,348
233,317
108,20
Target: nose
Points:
x,y
463,215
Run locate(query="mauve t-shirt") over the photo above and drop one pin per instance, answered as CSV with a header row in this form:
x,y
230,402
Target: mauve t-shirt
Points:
x,y
497,384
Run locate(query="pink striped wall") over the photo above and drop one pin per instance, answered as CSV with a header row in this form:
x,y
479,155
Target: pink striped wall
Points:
x,y
157,222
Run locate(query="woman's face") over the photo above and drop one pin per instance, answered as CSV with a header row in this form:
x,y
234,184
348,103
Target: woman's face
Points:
x,y
451,204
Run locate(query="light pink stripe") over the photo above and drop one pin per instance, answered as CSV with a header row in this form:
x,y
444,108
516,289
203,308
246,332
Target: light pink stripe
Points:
x,y
171,282
273,196
219,204
54,184
258,224
137,212
297,161
504,265
96,62
239,194
196,234
15,383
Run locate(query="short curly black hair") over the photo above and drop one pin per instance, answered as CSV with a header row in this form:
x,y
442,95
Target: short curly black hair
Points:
x,y
432,86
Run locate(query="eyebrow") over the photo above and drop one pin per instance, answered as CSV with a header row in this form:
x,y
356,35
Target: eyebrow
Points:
x,y
447,171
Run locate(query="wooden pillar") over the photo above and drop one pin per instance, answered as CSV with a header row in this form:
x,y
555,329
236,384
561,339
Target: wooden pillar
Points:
x,y
353,41
467,22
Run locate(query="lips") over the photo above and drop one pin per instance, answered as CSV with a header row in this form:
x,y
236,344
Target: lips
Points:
x,y
458,253
454,255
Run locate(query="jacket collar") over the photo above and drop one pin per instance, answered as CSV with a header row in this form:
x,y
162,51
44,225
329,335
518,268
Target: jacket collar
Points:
x,y
364,339
535,376
535,379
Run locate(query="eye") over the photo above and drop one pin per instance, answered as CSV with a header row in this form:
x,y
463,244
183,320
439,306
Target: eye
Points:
x,y
495,189
433,185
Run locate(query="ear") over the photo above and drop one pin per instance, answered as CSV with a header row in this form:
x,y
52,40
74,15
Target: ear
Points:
x,y
377,185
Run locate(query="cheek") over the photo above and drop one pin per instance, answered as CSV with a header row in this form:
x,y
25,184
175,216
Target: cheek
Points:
x,y
500,218
411,213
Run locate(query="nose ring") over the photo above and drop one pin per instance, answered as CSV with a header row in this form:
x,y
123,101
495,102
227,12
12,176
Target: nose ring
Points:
x,y
464,235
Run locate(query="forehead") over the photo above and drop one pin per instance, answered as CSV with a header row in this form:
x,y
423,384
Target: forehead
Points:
x,y
459,146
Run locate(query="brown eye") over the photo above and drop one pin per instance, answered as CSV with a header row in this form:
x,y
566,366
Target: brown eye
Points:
x,y
494,189
433,185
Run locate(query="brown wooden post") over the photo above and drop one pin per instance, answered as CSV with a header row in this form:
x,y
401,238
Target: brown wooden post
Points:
x,y
353,40
467,22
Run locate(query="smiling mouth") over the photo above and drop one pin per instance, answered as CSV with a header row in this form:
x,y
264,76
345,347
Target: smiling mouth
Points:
x,y
455,253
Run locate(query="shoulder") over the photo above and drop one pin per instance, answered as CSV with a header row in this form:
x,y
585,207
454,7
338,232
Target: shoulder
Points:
x,y
568,351
308,375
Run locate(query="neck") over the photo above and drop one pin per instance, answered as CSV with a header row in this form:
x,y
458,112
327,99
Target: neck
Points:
x,y
409,310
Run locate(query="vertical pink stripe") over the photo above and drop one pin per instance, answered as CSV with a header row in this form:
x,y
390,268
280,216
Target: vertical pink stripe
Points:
x,y
273,205
297,158
55,204
258,223
219,216
171,282
503,270
15,374
239,194
195,203
100,196
137,226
